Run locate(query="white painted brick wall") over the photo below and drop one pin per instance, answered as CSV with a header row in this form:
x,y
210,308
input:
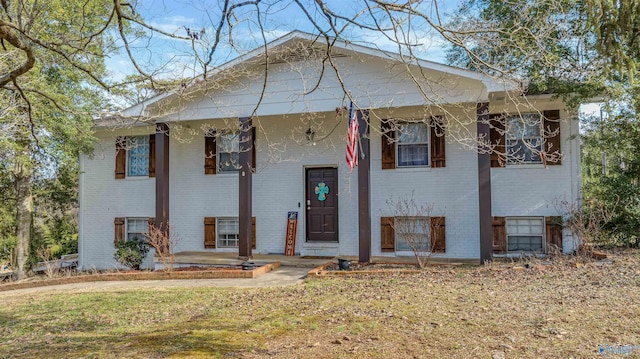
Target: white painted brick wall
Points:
x,y
278,188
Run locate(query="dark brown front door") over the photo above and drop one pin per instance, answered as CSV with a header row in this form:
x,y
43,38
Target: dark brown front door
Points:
x,y
322,204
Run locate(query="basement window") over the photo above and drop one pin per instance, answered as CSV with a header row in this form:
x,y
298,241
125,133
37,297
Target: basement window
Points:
x,y
228,232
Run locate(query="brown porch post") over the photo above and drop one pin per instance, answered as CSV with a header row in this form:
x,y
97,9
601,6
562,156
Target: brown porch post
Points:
x,y
364,207
162,176
484,185
244,189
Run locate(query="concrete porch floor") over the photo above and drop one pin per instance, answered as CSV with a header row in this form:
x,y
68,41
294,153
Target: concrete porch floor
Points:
x,y
230,258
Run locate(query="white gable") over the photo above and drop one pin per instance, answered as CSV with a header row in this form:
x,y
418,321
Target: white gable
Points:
x,y
299,80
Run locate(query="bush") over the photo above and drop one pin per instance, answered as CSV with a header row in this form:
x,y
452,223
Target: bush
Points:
x,y
131,253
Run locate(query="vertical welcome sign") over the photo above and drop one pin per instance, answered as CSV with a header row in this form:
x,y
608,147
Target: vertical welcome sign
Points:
x,y
290,240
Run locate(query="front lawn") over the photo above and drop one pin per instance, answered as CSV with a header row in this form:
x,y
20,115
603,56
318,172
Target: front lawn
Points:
x,y
558,311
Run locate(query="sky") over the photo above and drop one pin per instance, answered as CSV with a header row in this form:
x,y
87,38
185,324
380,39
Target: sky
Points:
x,y
174,58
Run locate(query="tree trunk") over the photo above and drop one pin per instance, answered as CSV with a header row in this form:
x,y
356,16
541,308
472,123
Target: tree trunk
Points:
x,y
24,209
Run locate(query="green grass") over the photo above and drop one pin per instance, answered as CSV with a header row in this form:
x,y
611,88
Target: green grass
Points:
x,y
562,311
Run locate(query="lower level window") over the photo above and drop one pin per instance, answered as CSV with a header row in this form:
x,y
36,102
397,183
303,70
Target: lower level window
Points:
x,y
525,234
137,227
228,229
412,234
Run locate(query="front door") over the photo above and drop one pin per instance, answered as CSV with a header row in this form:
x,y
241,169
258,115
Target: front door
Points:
x,y
322,204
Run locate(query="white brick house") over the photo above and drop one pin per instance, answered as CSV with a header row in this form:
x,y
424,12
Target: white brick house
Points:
x,y
226,160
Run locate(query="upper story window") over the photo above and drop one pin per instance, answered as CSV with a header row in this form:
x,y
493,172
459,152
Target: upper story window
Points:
x,y
138,156
413,144
524,138
228,152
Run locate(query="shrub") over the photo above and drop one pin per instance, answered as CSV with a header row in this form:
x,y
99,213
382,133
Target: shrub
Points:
x,y
131,253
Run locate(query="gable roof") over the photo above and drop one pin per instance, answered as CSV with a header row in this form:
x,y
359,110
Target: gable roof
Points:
x,y
338,48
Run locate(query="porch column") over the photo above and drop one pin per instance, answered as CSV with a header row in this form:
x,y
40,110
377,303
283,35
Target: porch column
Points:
x,y
162,176
244,188
484,184
364,197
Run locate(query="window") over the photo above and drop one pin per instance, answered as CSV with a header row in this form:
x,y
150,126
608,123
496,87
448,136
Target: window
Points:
x,y
412,233
525,234
524,138
138,156
228,229
137,227
228,152
413,144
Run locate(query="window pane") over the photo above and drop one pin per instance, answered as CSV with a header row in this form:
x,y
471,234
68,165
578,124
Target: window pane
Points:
x,y
228,152
412,232
413,133
228,229
136,227
413,155
524,139
524,234
138,153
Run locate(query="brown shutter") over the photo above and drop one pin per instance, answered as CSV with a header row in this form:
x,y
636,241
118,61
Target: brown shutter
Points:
x,y
118,223
437,142
552,143
209,232
437,234
387,235
554,232
388,145
253,230
497,138
253,150
210,150
152,155
121,157
499,235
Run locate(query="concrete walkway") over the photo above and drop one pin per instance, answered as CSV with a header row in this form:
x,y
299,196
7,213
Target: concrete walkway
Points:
x,y
283,276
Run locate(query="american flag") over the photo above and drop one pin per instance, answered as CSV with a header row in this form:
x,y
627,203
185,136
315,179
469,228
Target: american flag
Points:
x,y
352,139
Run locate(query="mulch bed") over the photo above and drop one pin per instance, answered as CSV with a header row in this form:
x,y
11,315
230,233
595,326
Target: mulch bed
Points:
x,y
193,272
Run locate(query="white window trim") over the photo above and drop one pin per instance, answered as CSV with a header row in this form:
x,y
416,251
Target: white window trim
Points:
x,y
544,235
410,251
428,143
218,219
219,152
541,136
128,163
127,219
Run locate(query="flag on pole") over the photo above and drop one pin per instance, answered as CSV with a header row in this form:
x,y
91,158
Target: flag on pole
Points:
x,y
352,139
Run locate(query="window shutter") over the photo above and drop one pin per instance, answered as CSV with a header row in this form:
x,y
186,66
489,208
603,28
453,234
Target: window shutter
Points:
x,y
497,138
118,223
121,157
253,149
152,155
210,151
499,235
552,129
387,235
209,232
253,230
388,145
437,142
554,231
437,234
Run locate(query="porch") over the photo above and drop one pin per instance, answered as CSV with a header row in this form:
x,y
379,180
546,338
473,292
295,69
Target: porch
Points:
x,y
230,258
